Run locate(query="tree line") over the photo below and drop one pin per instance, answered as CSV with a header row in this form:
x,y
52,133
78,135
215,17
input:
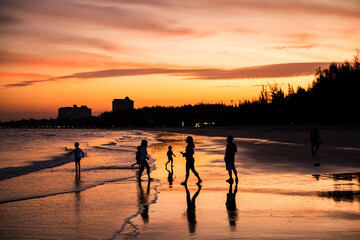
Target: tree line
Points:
x,y
332,98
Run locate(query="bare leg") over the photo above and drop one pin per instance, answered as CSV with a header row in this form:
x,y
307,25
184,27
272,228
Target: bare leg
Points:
x,y
196,174
141,170
186,176
236,177
148,171
230,174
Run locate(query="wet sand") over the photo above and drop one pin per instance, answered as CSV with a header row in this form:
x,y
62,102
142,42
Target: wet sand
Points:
x,y
280,194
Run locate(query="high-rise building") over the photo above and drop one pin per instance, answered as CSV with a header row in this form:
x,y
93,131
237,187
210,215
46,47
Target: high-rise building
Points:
x,y
73,113
122,104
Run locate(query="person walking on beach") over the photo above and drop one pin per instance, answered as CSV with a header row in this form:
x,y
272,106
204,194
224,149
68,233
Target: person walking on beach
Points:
x,y
137,157
190,161
142,159
78,153
229,158
315,141
170,155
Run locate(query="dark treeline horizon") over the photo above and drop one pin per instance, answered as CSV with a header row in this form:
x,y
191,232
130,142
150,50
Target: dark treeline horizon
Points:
x,y
332,98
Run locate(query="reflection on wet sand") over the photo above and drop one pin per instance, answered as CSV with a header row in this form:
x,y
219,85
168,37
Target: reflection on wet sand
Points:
x,y
191,214
77,192
338,195
231,206
144,201
345,196
170,176
338,176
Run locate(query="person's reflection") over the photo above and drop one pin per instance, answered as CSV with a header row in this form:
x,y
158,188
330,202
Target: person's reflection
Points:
x,y
143,200
170,176
191,215
231,206
77,192
316,176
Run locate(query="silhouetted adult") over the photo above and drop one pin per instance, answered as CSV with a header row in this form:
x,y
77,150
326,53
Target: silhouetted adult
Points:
x,y
190,161
315,141
190,212
229,158
143,156
231,205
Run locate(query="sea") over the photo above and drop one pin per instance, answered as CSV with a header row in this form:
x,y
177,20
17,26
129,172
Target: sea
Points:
x,y
39,189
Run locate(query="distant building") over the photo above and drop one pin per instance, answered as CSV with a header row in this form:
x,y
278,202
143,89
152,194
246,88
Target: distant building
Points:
x,y
122,104
73,113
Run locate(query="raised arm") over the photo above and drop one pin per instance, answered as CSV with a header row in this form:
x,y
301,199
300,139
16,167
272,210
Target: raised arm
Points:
x,y
69,154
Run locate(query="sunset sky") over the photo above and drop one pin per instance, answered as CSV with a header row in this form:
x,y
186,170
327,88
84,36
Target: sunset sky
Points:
x,y
163,52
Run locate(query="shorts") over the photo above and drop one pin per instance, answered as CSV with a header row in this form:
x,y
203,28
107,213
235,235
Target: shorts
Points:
x,y
77,159
230,165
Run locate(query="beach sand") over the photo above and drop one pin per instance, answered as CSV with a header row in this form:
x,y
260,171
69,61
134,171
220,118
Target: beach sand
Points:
x,y
280,194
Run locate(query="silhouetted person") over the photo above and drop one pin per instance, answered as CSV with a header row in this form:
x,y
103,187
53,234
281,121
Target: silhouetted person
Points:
x,y
137,158
190,161
170,176
170,155
191,214
231,205
142,158
315,141
78,154
229,158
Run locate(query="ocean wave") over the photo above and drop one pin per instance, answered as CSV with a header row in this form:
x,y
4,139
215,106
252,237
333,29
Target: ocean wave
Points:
x,y
107,168
113,149
109,144
10,172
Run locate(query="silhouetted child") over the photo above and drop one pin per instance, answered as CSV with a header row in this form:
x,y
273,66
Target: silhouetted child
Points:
x,y
315,141
170,155
78,153
142,158
137,157
230,151
190,161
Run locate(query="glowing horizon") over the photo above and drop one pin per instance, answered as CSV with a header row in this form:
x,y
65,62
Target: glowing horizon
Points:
x,y
169,53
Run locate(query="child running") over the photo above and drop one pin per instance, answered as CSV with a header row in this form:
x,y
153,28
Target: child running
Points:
x,y
170,155
78,153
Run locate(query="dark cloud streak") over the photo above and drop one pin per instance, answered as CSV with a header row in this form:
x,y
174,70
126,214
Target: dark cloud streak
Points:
x,y
265,71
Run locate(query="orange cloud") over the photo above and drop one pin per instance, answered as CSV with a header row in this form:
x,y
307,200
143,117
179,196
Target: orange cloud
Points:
x,y
22,75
